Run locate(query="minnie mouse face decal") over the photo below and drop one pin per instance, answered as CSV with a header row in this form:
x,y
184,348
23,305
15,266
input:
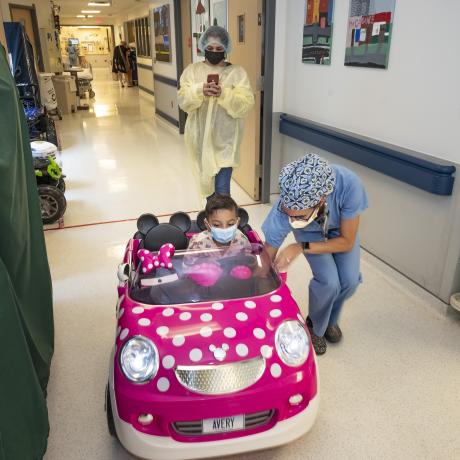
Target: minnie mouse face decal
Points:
x,y
219,353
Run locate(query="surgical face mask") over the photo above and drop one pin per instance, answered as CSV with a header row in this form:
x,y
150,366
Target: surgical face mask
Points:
x,y
298,224
223,235
214,57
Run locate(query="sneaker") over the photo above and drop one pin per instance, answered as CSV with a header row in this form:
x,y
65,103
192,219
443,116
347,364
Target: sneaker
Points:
x,y
333,334
319,343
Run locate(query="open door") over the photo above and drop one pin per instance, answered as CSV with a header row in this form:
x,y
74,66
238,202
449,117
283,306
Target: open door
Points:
x,y
27,16
245,25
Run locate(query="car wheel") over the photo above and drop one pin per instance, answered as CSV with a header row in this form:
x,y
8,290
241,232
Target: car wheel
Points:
x,y
109,414
52,203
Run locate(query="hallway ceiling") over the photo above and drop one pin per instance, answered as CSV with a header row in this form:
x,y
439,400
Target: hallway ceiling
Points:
x,y
70,8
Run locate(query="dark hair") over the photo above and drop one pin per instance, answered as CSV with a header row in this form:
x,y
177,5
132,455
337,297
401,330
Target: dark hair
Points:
x,y
220,202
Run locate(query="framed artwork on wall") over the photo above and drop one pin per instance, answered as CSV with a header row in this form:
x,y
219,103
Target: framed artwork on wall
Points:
x,y
162,26
200,22
317,31
370,23
218,13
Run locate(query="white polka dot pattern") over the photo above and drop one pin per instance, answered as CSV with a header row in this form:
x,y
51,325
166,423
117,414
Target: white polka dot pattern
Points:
x,y
275,370
195,355
144,322
266,351
242,350
168,362
276,298
229,332
124,333
178,340
168,312
185,316
250,304
162,330
276,313
240,316
138,310
259,333
217,306
206,331
163,384
206,317
120,313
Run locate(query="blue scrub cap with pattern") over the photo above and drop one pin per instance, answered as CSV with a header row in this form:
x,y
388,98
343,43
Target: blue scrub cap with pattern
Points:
x,y
305,181
215,34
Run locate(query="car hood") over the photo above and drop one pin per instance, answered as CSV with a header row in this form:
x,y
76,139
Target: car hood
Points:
x,y
210,332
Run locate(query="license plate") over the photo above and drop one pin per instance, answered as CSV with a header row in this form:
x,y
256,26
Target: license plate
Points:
x,y
223,424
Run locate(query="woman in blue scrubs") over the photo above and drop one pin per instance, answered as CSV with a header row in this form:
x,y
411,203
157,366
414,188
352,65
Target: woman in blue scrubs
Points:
x,y
321,204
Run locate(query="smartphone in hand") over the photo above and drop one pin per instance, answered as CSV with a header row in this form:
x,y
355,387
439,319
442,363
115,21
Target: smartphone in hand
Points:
x,y
213,77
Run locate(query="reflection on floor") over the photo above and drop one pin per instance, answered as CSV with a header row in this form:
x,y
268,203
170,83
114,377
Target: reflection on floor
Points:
x,y
120,160
391,389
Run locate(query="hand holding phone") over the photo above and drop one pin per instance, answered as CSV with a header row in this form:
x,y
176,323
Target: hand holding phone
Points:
x,y
212,88
213,77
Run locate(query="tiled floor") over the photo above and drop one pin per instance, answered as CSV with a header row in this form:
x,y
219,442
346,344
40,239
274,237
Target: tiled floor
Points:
x,y
390,390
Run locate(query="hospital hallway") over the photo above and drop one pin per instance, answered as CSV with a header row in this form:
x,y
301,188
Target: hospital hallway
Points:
x,y
390,389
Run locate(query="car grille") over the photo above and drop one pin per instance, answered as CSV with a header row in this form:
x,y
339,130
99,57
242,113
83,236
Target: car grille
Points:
x,y
195,427
222,378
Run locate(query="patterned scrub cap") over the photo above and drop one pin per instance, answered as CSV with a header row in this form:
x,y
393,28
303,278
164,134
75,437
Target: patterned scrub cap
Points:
x,y
305,181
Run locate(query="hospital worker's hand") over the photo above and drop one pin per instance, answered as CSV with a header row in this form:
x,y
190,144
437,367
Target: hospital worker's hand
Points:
x,y
287,256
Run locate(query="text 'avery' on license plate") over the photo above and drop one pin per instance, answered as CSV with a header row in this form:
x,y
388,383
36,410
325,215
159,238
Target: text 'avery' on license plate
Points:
x,y
223,424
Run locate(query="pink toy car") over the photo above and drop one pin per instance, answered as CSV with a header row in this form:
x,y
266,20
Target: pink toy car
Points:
x,y
212,356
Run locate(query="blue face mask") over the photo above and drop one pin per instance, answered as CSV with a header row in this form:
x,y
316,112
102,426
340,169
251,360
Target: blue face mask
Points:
x,y
223,235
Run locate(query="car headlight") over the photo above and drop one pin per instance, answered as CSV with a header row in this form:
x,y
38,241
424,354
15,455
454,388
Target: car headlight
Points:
x,y
139,359
292,344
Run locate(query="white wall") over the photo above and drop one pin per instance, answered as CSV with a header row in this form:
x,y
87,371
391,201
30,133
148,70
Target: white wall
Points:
x,y
415,103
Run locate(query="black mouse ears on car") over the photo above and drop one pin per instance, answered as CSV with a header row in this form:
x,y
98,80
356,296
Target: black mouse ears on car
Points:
x,y
244,217
182,220
146,222
154,234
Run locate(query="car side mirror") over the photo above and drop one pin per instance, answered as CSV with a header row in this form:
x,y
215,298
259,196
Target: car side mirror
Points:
x,y
123,272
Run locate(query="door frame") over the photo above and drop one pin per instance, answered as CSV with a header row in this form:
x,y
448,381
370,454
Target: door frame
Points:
x,y
179,57
267,72
266,125
32,9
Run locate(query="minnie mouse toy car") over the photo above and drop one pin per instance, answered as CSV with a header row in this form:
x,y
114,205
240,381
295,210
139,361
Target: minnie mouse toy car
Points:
x,y
212,356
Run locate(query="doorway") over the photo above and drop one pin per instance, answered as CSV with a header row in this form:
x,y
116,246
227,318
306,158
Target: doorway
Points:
x,y
251,28
27,16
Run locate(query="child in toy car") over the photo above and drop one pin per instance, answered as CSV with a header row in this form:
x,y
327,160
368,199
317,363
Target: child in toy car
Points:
x,y
206,367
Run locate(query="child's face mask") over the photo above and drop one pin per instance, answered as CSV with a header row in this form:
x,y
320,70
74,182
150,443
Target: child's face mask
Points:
x,y
224,235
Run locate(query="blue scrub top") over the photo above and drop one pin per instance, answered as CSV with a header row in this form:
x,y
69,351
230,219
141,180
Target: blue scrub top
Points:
x,y
347,201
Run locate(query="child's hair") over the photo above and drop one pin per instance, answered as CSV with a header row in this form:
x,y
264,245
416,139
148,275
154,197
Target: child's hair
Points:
x,y
220,202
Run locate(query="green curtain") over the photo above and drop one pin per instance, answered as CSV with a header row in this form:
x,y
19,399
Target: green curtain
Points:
x,y
26,309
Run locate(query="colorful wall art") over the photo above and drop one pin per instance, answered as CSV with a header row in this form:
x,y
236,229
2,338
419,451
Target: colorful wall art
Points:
x,y
162,26
317,31
370,25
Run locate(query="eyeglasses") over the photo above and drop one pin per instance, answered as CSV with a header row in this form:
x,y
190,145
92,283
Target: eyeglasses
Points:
x,y
322,218
297,218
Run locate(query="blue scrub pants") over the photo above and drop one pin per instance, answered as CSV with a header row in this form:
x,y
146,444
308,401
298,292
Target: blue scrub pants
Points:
x,y
222,181
335,279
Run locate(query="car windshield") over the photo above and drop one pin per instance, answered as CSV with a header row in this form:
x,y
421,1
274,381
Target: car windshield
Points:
x,y
205,276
